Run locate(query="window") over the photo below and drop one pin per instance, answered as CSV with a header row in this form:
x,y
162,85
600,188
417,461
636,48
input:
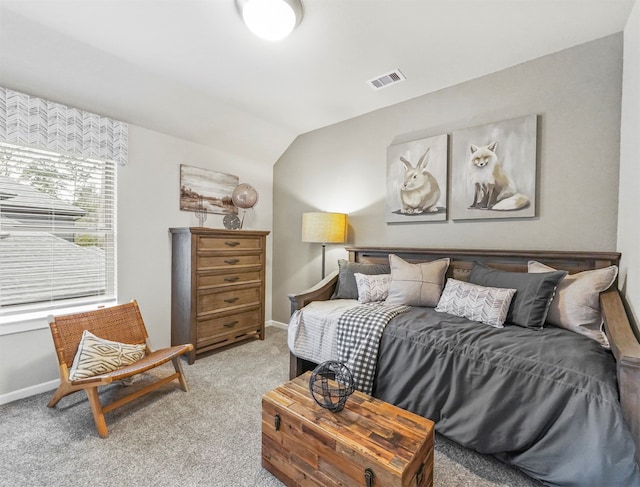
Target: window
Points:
x,y
57,229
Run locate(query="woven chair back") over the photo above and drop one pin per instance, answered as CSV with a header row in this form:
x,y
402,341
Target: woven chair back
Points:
x,y
122,323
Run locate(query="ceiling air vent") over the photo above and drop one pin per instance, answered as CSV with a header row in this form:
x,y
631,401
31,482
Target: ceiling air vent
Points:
x,y
386,80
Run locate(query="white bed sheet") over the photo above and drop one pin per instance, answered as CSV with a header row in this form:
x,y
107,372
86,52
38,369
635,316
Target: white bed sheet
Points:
x,y
312,329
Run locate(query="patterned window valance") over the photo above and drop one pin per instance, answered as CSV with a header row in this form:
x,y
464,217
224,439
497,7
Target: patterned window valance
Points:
x,y
37,122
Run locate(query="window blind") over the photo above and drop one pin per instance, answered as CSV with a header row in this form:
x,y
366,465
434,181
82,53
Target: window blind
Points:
x,y
57,229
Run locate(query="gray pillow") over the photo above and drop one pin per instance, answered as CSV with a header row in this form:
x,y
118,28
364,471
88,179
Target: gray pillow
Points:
x,y
534,292
346,287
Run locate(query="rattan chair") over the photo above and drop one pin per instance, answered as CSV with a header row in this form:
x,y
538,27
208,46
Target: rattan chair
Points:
x,y
122,323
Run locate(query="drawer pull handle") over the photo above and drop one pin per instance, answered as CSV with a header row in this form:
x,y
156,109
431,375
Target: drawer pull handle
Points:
x,y
369,477
232,244
230,324
231,300
231,279
276,422
231,261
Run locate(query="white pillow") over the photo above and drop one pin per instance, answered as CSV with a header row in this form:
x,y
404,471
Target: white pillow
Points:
x,y
416,284
97,356
372,288
489,305
576,305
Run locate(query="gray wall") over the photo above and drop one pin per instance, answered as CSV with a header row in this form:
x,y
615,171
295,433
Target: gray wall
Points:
x,y
577,96
628,228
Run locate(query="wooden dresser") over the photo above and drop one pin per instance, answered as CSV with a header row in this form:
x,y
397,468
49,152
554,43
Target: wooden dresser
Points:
x,y
217,287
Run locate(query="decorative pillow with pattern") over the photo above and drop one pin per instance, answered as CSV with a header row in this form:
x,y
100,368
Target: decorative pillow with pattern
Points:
x,y
416,284
97,356
346,287
576,305
372,288
530,305
488,305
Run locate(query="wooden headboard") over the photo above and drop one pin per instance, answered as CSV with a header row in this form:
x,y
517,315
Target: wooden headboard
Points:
x,y
625,344
510,260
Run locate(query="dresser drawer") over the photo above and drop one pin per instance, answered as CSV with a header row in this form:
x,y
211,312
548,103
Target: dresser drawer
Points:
x,y
209,280
228,261
228,243
210,330
219,301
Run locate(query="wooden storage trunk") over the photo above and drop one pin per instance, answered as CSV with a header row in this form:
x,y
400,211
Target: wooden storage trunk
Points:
x,y
369,442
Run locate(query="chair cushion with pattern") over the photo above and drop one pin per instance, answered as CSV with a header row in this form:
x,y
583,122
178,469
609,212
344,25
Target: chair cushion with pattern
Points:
x,y
97,356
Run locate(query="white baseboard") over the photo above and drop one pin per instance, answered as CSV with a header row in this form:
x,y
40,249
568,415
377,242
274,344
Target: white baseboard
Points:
x,y
29,391
277,324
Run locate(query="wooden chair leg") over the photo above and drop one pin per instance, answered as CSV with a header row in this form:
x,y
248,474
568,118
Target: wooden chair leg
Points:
x,y
63,390
96,409
178,367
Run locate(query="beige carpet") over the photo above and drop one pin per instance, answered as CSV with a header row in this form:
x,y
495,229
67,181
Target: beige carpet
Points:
x,y
209,436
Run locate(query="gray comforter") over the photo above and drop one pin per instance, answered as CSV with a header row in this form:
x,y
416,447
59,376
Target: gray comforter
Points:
x,y
543,400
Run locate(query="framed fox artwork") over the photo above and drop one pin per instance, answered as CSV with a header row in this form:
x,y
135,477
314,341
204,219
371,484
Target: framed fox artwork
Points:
x,y
493,170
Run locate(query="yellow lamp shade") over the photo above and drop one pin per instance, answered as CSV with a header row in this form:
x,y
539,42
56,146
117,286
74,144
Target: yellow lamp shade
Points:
x,y
321,227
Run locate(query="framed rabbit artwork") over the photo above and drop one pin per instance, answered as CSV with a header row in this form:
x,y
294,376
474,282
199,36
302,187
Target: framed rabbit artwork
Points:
x,y
417,180
493,170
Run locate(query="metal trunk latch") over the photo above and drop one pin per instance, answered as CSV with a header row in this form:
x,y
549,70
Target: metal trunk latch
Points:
x,y
276,422
369,477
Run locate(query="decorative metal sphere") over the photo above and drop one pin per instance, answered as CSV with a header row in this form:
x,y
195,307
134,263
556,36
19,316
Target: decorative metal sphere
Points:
x,y
244,196
331,384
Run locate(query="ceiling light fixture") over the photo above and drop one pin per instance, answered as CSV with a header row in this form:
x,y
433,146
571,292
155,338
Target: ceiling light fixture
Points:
x,y
271,20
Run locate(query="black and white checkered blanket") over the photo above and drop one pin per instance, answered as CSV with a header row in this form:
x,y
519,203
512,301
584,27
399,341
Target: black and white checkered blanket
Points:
x,y
358,335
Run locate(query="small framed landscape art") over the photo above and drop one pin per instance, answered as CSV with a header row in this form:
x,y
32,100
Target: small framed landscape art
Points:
x,y
206,190
493,170
417,180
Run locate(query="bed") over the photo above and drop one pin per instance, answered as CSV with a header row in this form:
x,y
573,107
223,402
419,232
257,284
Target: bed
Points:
x,y
556,404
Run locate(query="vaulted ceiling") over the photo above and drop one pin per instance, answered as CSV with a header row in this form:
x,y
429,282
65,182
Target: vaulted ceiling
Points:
x,y
190,68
